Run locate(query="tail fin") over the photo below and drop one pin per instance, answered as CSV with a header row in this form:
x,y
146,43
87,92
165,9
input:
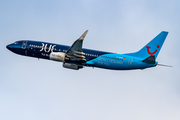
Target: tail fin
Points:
x,y
153,47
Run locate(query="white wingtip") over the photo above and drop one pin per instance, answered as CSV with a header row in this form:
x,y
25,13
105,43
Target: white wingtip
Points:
x,y
83,35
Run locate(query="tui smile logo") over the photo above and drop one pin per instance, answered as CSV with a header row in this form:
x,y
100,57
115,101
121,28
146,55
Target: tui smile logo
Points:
x,y
151,53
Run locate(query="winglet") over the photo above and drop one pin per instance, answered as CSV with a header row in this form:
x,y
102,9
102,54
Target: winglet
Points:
x,y
83,35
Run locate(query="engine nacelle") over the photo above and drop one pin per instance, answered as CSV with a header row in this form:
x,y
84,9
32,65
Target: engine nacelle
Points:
x,y
57,56
72,66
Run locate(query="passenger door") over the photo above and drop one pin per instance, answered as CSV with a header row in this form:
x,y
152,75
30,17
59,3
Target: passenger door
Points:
x,y
130,61
24,44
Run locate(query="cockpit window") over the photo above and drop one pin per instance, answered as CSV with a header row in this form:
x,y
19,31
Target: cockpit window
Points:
x,y
16,43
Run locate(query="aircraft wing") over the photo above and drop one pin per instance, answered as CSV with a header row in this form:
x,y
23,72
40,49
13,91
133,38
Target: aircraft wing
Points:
x,y
75,53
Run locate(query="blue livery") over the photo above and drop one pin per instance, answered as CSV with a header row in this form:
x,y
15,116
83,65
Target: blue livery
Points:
x,y
75,57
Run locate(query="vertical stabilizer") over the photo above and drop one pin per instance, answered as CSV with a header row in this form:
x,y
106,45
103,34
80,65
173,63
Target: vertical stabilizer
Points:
x,y
152,48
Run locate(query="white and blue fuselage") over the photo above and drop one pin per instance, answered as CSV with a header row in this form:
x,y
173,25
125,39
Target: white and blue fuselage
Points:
x,y
76,57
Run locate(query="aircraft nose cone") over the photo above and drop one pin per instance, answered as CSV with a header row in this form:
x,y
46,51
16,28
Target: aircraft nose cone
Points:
x,y
9,47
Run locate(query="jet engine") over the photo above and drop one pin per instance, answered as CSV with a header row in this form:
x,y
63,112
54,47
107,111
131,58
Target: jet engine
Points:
x,y
57,56
72,66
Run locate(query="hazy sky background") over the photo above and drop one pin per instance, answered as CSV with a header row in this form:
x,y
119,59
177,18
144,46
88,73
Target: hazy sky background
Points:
x,y
32,89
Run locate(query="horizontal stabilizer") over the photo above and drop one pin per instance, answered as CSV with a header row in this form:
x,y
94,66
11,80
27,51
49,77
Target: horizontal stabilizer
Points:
x,y
164,65
150,60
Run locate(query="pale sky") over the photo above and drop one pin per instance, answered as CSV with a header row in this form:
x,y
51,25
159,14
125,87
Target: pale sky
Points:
x,y
32,89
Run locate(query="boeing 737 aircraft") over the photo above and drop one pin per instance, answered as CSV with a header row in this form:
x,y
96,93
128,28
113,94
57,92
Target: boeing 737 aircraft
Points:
x,y
76,57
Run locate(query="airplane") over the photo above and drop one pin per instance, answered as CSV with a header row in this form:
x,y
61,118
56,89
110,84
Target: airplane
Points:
x,y
75,57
